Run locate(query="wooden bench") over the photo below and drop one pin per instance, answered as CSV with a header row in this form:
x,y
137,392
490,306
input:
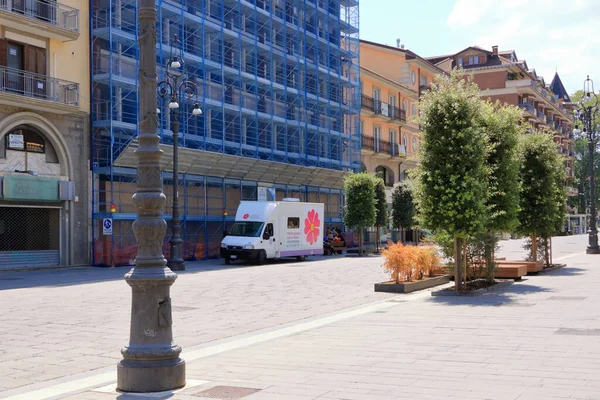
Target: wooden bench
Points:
x,y
532,266
516,271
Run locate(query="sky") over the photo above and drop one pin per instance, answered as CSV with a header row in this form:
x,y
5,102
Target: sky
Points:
x,y
551,35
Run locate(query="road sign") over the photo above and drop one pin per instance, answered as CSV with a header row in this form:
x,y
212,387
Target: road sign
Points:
x,y
107,226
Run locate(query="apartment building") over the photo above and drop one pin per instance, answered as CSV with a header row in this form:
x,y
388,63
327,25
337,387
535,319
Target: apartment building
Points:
x,y
278,83
392,81
44,133
502,76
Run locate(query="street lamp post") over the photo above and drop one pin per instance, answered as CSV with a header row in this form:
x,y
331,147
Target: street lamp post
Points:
x,y
173,90
588,107
151,361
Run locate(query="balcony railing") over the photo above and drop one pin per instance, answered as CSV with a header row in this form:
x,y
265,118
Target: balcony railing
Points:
x,y
43,87
46,11
528,107
367,102
381,108
381,146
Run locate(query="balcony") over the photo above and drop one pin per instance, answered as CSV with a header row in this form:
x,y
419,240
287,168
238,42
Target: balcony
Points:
x,y
38,92
42,18
528,107
382,147
367,102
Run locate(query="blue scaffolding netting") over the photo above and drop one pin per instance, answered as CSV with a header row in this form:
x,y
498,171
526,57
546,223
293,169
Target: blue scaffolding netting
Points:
x,y
278,82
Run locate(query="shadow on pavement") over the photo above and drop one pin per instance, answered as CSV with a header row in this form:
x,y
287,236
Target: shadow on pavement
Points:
x,y
85,275
492,299
565,271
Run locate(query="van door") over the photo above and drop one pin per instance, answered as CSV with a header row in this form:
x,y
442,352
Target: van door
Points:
x,y
269,244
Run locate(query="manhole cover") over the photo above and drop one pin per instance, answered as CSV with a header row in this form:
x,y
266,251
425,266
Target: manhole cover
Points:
x,y
567,298
183,308
227,392
577,332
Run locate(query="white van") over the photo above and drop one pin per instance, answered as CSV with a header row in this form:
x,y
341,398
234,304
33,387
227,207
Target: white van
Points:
x,y
274,229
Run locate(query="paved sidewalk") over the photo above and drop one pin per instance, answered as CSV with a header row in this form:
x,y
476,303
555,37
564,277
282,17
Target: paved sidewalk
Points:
x,y
538,339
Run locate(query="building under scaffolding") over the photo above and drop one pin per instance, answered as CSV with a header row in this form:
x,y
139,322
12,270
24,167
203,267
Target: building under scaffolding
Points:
x,y
278,82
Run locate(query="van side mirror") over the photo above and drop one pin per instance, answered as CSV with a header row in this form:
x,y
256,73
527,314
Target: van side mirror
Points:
x,y
266,236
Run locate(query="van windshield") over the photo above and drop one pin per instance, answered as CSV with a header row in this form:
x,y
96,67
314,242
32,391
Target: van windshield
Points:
x,y
248,229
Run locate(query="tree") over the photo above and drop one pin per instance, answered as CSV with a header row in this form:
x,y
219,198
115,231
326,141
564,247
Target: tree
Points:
x,y
381,214
452,191
360,211
502,126
543,196
403,208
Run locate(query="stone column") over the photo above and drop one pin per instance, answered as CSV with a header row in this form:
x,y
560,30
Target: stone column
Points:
x,y
151,361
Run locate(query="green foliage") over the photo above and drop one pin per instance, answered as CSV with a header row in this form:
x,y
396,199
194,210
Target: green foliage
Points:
x,y
501,123
381,217
403,207
543,196
360,210
452,191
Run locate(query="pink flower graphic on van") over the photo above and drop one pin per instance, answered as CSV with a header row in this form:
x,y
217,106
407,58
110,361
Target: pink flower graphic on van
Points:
x,y
312,225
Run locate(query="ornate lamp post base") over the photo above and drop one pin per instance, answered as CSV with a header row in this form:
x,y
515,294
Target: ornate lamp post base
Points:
x,y
593,247
151,361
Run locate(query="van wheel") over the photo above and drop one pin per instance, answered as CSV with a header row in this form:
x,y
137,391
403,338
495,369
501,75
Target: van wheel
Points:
x,y
227,260
262,257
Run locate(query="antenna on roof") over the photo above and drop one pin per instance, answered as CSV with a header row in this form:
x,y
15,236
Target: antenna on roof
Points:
x,y
398,42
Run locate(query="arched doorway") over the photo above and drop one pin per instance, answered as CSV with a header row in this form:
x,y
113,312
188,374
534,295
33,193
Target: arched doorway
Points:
x,y
386,174
34,205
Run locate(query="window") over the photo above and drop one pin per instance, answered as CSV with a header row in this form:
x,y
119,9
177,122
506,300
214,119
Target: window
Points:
x,y
424,81
293,223
25,140
269,230
393,137
404,140
415,144
404,107
376,94
392,100
376,136
413,77
414,109
246,229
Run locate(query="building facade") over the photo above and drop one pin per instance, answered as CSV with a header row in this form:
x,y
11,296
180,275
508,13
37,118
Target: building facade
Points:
x,y
278,83
44,133
503,77
392,81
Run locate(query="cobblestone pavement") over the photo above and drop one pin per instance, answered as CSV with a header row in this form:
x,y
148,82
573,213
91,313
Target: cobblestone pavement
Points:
x,y
315,330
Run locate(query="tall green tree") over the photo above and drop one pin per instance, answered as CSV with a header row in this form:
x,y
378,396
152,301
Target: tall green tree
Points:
x,y
452,192
381,214
360,210
403,208
503,128
543,195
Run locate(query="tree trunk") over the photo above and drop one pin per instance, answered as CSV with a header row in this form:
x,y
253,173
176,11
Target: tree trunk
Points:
x,y
551,258
489,261
534,246
547,251
377,239
465,275
458,272
360,241
403,236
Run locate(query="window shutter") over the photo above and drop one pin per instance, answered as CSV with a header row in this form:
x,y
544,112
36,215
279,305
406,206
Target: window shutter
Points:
x,y
3,52
40,61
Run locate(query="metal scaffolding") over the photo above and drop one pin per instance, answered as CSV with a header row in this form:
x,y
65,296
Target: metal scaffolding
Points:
x,y
279,84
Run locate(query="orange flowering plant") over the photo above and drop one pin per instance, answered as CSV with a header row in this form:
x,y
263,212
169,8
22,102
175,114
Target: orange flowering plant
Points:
x,y
405,263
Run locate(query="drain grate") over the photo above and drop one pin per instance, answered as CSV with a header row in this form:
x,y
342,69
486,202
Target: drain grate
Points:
x,y
577,332
183,308
567,298
226,392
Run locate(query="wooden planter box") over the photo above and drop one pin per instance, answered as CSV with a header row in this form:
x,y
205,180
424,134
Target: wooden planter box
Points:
x,y
408,287
532,266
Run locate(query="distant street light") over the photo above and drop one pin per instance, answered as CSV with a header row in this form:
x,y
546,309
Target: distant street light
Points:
x,y
586,112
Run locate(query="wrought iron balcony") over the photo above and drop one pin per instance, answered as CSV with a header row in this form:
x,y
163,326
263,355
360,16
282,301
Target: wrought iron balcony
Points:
x,y
367,102
41,17
36,86
398,114
383,147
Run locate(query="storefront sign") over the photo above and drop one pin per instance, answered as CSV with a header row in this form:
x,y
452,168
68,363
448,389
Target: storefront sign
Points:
x,y
16,141
30,188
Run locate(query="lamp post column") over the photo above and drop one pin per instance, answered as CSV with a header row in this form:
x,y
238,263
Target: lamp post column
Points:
x,y
176,262
151,361
593,232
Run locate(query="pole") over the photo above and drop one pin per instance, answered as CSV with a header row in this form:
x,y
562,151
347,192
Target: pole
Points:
x,y
151,361
176,262
593,232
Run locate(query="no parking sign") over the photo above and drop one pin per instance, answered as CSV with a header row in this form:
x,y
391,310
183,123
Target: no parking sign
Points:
x,y
107,226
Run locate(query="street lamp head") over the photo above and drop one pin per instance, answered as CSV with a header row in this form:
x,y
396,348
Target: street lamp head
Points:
x,y
197,110
576,132
175,64
173,104
157,110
